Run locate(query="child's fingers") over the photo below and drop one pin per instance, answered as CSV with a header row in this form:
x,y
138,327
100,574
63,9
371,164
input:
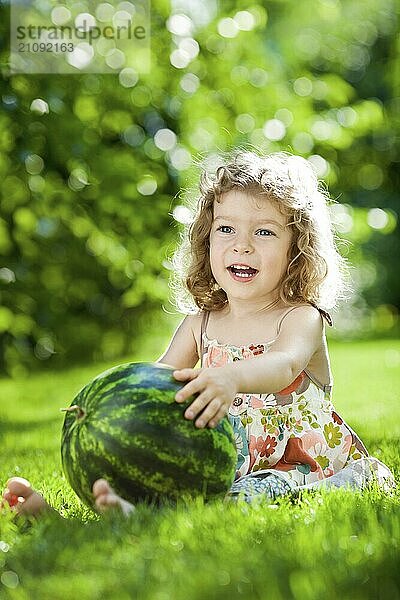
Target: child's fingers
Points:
x,y
184,374
197,405
189,389
218,417
210,408
209,413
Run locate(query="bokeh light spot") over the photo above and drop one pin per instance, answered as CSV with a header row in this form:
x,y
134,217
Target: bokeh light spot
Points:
x,y
189,83
127,7
179,59
370,177
39,106
122,18
240,75
377,218
180,158
322,130
258,77
303,86
303,142
320,165
308,43
346,116
81,55
77,179
104,12
284,115
9,579
180,25
182,214
34,164
128,77
134,135
245,123
165,139
7,275
228,28
115,58
342,217
44,348
147,186
274,130
244,20
36,183
60,15
85,21
190,46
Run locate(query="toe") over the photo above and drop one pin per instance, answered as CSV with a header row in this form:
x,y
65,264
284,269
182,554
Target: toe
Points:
x,y
104,501
19,486
100,487
22,498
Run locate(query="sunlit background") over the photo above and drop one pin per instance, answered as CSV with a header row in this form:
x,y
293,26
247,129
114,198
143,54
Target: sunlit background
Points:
x,y
84,36
94,167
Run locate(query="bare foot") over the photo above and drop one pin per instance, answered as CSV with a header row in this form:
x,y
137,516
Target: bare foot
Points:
x,y
23,499
106,498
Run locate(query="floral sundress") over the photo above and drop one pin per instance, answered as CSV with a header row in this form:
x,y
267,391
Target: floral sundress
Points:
x,y
295,433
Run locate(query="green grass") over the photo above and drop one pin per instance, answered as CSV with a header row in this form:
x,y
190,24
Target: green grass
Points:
x,y
321,546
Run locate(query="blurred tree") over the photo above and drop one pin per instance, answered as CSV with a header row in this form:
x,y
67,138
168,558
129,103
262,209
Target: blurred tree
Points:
x,y
86,197
91,165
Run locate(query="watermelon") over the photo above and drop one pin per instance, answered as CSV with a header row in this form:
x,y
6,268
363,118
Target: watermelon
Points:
x,y
125,426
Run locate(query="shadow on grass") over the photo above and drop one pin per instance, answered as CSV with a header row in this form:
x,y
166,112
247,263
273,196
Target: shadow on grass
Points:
x,y
20,427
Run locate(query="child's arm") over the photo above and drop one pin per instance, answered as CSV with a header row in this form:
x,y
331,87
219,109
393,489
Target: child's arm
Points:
x,y
299,337
182,350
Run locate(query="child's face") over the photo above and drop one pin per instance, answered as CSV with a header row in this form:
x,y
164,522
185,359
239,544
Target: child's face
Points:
x,y
250,231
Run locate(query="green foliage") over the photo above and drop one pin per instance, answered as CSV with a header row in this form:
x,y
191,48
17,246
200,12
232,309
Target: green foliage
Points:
x,y
87,193
83,242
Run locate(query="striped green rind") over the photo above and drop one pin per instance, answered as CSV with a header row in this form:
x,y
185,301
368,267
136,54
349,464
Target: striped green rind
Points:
x,y
134,435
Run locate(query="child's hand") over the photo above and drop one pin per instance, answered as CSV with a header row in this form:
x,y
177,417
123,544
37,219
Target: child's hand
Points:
x,y
216,388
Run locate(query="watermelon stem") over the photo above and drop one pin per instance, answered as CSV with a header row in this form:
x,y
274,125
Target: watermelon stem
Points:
x,y
81,413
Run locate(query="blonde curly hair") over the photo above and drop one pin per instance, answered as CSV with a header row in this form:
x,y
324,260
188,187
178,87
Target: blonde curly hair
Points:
x,y
316,272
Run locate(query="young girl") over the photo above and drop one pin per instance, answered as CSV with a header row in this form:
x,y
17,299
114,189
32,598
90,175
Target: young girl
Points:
x,y
260,269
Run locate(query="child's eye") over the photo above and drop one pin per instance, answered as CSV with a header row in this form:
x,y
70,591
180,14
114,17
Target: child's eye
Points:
x,y
223,227
265,232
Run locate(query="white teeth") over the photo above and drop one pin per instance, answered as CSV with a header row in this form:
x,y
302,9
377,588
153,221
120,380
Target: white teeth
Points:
x,y
235,268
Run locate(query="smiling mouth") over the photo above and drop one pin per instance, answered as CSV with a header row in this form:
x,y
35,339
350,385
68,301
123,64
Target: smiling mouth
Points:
x,y
242,272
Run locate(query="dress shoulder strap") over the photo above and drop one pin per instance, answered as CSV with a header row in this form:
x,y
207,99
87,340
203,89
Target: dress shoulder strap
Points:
x,y
204,321
281,319
323,313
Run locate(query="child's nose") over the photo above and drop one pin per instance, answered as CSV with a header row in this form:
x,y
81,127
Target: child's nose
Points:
x,y
241,250
243,247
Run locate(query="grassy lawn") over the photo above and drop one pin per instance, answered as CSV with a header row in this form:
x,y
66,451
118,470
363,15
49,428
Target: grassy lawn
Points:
x,y
323,546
